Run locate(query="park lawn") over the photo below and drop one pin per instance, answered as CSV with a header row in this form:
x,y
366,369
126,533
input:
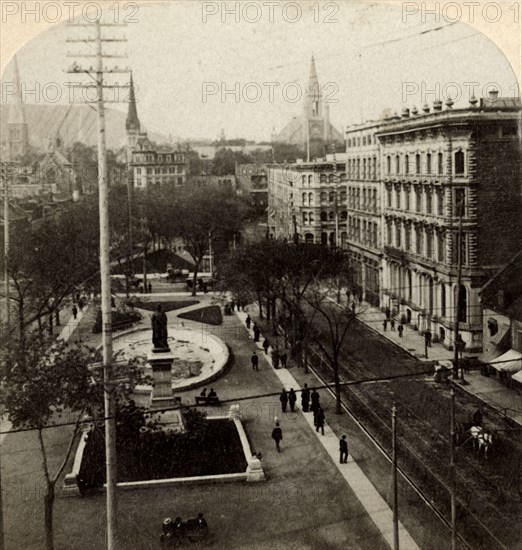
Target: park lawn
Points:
x,y
210,315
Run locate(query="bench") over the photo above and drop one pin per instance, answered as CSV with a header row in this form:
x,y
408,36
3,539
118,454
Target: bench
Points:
x,y
204,400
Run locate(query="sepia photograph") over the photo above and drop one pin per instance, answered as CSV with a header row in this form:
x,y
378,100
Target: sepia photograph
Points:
x,y
261,275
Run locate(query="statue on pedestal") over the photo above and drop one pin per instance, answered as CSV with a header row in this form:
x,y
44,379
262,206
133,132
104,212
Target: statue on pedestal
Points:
x,y
159,330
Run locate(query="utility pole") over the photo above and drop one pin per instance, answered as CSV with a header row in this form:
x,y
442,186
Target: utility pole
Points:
x,y
456,344
211,259
394,480
452,474
97,74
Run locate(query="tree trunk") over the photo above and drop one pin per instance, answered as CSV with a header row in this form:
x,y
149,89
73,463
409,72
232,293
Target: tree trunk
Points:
x,y
260,305
48,517
268,312
195,279
51,324
274,317
337,383
57,315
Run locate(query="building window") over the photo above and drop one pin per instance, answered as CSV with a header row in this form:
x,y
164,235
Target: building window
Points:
x,y
388,164
429,244
323,196
407,237
442,300
310,199
440,247
374,200
459,163
374,168
358,199
429,205
331,215
389,233
440,203
462,304
428,163
398,235
304,198
343,197
344,215
418,199
459,205
417,164
305,218
331,196
397,164
406,164
364,169
492,327
407,198
418,240
440,164
389,195
303,179
310,180
397,197
323,216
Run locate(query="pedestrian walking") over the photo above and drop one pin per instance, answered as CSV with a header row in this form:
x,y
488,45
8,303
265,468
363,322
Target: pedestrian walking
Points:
x,y
205,288
266,345
427,336
255,361
292,398
343,450
305,398
248,321
81,303
277,436
74,311
392,324
400,330
385,324
257,332
284,400
275,359
149,288
315,401
284,359
319,420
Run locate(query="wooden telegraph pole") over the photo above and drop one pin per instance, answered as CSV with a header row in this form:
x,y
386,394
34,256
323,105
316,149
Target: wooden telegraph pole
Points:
x,y
452,475
394,480
105,275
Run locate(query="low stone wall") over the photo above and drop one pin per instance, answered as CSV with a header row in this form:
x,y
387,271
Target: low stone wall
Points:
x,y
253,473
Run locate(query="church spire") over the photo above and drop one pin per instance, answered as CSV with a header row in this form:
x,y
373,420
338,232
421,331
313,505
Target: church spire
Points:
x,y
313,81
18,132
133,122
17,113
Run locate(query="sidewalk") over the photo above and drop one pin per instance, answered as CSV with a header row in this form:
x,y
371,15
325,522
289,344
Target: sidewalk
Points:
x,y
374,505
507,402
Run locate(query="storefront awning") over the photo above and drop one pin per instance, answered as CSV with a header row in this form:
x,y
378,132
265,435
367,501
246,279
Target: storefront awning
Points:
x,y
502,334
511,361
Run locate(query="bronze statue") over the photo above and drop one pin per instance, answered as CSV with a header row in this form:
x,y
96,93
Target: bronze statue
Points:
x,y
159,329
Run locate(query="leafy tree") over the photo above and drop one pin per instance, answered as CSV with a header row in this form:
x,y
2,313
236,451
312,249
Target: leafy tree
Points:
x,y
49,259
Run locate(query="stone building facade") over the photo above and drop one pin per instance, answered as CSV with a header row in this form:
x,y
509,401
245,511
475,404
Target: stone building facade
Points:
x,y
441,171
307,201
364,209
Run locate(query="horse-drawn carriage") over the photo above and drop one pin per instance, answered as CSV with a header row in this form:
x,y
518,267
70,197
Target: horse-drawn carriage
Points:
x,y
177,532
472,430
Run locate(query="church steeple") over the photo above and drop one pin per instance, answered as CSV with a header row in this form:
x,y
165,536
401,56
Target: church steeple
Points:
x,y
314,96
18,131
133,122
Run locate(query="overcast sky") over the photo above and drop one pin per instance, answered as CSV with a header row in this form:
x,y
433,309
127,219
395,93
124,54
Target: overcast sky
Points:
x,y
369,60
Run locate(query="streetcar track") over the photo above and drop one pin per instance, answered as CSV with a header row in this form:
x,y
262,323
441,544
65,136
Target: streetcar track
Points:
x,y
411,482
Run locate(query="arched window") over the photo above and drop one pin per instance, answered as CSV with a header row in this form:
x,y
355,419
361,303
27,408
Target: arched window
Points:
x,y
331,196
311,218
344,215
323,216
417,163
324,239
322,178
408,278
310,178
310,199
388,164
397,164
459,163
440,164
303,178
331,215
305,218
331,178
442,300
428,163
323,196
304,198
309,238
406,164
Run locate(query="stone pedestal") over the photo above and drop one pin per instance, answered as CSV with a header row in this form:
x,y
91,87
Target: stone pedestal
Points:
x,y
162,396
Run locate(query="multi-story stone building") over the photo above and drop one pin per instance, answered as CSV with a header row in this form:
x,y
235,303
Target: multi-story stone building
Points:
x,y
252,182
149,163
307,201
442,170
364,209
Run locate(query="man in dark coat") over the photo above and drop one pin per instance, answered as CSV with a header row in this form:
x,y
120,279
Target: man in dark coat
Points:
x,y
248,320
292,398
277,436
319,420
284,400
257,332
255,361
74,311
343,450
305,398
284,358
266,345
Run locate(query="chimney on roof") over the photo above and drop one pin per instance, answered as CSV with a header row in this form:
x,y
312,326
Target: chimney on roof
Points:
x,y
437,105
426,108
473,101
449,103
493,94
414,111
405,112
